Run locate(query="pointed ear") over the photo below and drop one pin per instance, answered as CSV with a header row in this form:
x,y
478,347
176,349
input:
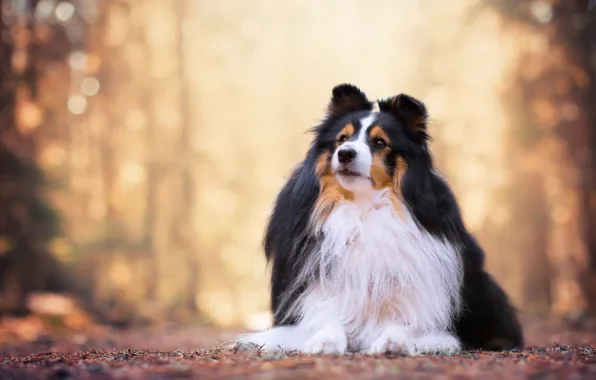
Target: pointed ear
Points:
x,y
410,111
347,98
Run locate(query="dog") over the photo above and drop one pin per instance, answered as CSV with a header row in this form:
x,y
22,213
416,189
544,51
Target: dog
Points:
x,y
367,247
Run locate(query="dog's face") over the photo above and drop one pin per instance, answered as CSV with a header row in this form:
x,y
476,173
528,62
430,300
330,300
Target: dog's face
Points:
x,y
362,150
366,149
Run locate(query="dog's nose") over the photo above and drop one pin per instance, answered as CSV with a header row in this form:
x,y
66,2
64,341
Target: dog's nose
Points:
x,y
346,155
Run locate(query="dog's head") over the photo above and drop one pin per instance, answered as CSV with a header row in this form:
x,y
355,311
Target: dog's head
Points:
x,y
361,150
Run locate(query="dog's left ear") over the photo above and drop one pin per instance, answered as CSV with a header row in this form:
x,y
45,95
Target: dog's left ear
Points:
x,y
347,98
410,111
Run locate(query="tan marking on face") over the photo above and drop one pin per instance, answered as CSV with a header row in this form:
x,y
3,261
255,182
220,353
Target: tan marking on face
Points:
x,y
379,174
401,166
378,132
347,131
331,192
396,195
323,164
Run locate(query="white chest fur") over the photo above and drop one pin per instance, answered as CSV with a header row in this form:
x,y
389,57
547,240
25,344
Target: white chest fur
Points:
x,y
375,283
376,267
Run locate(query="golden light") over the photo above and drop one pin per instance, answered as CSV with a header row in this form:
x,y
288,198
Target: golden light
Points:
x,y
78,60
64,12
135,119
132,173
53,155
542,11
194,114
90,86
29,116
77,104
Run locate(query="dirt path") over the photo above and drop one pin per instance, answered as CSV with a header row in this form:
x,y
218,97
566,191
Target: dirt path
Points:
x,y
554,351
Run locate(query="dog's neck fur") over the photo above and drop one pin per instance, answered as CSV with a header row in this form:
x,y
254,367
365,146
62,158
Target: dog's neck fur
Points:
x,y
375,266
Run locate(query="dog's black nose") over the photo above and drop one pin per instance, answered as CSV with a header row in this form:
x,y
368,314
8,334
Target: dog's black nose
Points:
x,y
346,155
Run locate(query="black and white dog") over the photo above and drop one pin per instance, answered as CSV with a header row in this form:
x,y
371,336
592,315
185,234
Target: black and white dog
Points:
x,y
368,249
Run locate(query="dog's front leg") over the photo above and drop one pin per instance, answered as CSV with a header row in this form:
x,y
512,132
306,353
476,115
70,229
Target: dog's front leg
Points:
x,y
392,338
321,321
329,339
436,343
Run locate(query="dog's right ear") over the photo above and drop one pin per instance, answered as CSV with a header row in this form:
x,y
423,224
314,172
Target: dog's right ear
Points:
x,y
410,111
347,98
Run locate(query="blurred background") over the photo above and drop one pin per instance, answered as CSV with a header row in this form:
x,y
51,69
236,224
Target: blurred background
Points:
x,y
142,144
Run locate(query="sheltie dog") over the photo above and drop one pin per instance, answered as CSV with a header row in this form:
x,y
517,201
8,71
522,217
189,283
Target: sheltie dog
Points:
x,y
367,247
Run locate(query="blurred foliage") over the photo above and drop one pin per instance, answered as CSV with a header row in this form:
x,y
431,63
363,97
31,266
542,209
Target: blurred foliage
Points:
x,y
28,222
166,129
550,98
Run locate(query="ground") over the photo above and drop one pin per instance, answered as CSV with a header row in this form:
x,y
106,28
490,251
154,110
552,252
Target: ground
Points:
x,y
555,350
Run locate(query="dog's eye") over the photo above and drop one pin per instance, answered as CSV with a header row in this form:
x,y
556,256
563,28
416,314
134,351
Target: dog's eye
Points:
x,y
379,142
342,139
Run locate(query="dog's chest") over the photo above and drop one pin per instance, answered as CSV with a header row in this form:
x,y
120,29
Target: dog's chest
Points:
x,y
378,264
372,233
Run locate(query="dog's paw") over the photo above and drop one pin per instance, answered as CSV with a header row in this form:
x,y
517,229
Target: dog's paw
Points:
x,y
436,343
394,339
328,340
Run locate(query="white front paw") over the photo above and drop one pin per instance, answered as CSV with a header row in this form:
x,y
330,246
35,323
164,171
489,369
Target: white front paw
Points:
x,y
393,338
328,340
437,343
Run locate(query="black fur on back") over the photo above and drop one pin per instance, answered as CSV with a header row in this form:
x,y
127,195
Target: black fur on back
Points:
x,y
487,320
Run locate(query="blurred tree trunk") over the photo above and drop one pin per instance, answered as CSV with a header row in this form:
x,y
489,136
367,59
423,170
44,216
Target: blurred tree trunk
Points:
x,y
571,249
585,54
553,141
119,132
185,221
172,159
144,156
28,224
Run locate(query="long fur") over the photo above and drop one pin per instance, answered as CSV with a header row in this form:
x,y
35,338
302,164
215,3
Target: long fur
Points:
x,y
391,269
